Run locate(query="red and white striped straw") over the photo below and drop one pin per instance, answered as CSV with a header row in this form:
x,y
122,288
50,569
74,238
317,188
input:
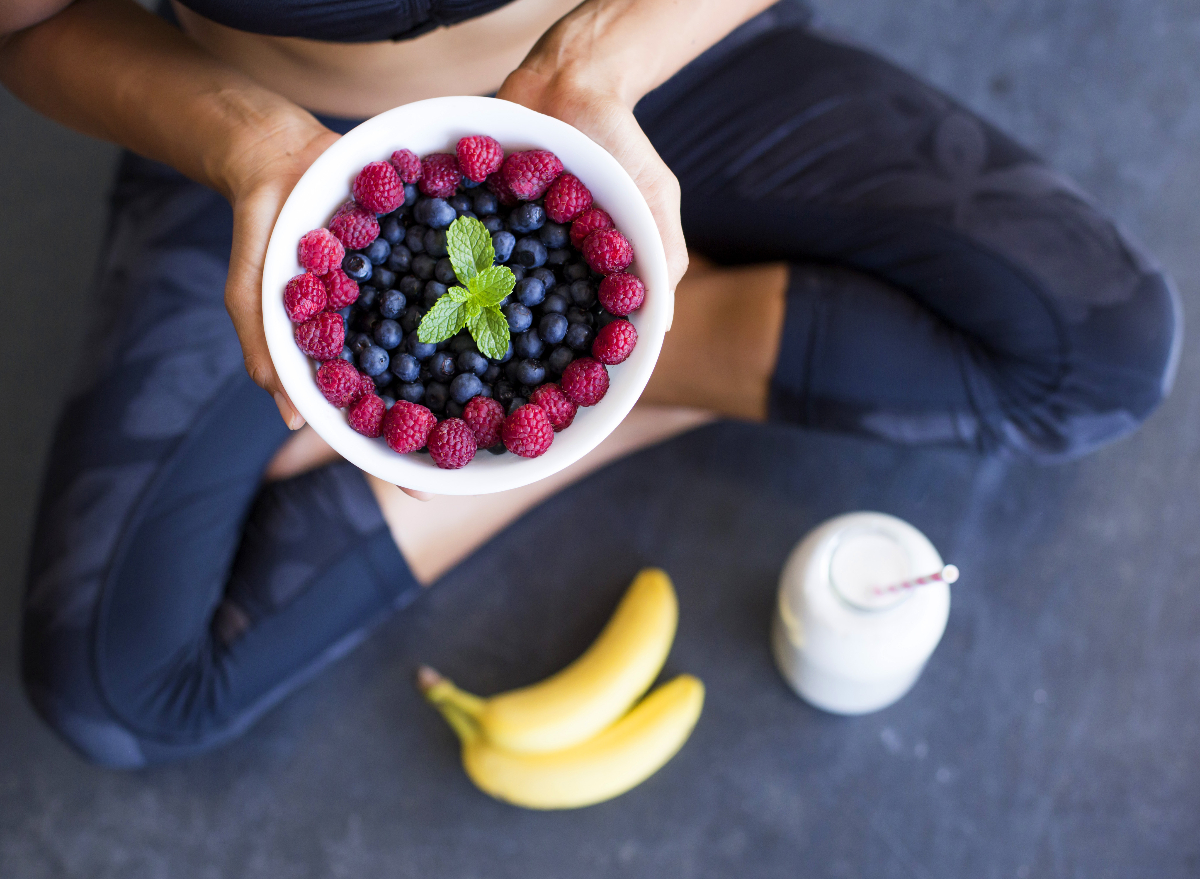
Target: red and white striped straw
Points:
x,y
948,574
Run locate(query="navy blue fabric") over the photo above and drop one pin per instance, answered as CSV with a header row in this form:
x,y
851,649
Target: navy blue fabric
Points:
x,y
945,287
344,21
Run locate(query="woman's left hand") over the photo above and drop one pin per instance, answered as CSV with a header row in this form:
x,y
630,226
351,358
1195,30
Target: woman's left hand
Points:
x,y
604,118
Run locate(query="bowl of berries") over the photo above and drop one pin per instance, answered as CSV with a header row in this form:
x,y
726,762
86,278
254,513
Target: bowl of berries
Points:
x,y
463,296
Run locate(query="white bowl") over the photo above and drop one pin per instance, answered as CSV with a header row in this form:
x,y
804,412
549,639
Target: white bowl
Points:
x,y
433,126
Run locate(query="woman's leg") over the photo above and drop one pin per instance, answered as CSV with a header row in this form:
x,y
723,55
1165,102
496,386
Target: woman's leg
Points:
x,y
945,285
172,596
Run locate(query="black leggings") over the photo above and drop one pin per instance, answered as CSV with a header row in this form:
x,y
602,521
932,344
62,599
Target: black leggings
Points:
x,y
945,287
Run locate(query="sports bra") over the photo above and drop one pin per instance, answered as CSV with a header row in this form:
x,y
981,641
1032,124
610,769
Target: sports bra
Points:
x,y
341,21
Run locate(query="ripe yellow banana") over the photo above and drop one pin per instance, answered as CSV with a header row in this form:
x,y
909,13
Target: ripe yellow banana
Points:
x,y
588,695
619,758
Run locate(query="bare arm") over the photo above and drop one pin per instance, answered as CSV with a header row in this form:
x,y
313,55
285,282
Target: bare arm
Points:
x,y
597,62
112,70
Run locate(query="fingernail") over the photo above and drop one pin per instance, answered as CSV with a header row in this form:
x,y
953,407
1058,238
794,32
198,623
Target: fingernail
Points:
x,y
290,416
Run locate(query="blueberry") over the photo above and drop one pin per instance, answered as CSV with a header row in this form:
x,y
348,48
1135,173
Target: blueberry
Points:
x,y
411,286
529,252
382,278
382,380
554,303
472,361
579,337
357,266
460,202
454,409
444,271
484,203
373,360
515,404
470,214
579,316
370,322
400,259
508,353
405,367
531,372
497,449
503,392
411,194
388,335
366,296
462,342
603,319
411,319
558,257
414,238
492,223
554,235
491,374
390,230
413,392
518,272
464,387
435,243
434,212
435,396
388,402
560,358
346,354
583,293
503,243
378,251
530,291
468,183
418,349
527,344
391,303
433,291
546,276
576,271
423,266
441,366
519,317
528,217
552,328
344,311
359,342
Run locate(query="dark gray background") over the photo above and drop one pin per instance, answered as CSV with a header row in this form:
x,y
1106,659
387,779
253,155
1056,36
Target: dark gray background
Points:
x,y
1056,731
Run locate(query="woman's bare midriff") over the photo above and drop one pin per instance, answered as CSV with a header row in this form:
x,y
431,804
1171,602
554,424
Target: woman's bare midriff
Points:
x,y
361,79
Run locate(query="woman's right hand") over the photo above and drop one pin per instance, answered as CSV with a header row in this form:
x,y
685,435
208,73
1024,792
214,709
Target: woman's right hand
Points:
x,y
259,179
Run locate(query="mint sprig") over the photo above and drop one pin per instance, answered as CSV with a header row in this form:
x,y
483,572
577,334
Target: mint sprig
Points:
x,y
477,304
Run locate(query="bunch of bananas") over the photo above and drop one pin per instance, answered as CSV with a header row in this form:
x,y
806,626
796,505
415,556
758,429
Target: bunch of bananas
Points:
x,y
578,738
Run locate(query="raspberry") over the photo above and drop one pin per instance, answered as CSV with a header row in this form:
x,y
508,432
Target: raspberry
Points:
x,y
304,299
607,251
366,416
406,426
452,444
585,381
320,252
484,416
587,223
499,188
567,198
622,293
378,188
559,408
407,165
440,175
339,382
354,226
527,432
614,342
528,173
341,289
322,337
479,156
368,383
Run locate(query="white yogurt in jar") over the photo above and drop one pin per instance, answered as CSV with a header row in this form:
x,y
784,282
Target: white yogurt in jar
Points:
x,y
843,645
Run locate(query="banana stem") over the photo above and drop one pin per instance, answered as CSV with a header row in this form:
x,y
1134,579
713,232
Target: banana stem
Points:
x,y
464,727
441,690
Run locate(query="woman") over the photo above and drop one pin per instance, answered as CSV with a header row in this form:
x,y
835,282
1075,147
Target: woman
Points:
x,y
889,265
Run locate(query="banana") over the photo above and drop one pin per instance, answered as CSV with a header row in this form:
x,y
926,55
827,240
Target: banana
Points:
x,y
588,695
619,758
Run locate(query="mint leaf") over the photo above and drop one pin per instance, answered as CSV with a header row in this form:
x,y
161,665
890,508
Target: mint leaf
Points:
x,y
489,328
491,285
442,321
458,294
469,246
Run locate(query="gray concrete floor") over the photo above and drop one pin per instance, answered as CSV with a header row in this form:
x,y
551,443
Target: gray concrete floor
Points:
x,y
1055,732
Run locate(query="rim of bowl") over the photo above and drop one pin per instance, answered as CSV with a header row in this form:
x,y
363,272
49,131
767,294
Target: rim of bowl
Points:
x,y
435,125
